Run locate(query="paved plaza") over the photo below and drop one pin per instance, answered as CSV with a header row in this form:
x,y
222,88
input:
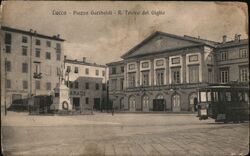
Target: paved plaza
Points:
x,y
121,134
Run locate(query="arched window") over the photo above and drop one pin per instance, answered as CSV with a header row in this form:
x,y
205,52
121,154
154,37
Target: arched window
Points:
x,y
145,103
176,102
132,103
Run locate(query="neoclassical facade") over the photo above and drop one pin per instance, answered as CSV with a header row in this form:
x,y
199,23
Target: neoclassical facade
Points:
x,y
163,72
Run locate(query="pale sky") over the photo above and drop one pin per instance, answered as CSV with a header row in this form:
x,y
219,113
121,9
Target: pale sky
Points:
x,y
103,39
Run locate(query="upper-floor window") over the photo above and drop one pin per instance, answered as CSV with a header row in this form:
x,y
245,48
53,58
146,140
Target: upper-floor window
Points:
x,y
8,66
8,83
96,72
131,79
7,39
224,75
145,78
224,55
58,47
37,52
25,84
68,69
176,75
38,85
24,50
193,74
122,83
76,84
193,58
244,74
97,86
159,63
38,42
113,70
24,39
145,65
159,77
8,48
113,84
58,56
86,85
103,87
48,43
243,53
131,66
76,70
122,69
103,73
176,60
87,71
210,75
25,68
48,55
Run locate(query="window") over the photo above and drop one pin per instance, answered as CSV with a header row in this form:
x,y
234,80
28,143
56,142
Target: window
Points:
x,y
210,59
37,52
24,39
48,86
76,70
86,85
210,75
87,100
193,58
24,50
38,42
96,72
224,76
131,79
103,73
97,86
58,56
159,77
25,84
8,66
103,87
243,53
48,43
145,78
38,84
76,85
131,67
48,56
87,71
159,63
113,84
113,70
176,76
7,48
176,60
25,68
7,38
121,83
71,84
244,74
8,83
68,69
145,65
224,55
193,74
122,69
58,48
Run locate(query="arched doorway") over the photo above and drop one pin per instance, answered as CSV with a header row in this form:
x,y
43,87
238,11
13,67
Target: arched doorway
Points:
x,y
121,104
192,102
145,103
176,103
159,103
131,103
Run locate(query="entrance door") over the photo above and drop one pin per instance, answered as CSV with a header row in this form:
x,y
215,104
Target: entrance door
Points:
x,y
132,103
158,105
176,103
97,103
76,103
145,103
193,102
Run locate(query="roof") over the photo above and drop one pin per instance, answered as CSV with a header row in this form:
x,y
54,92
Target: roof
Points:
x,y
84,63
31,33
233,43
187,38
115,63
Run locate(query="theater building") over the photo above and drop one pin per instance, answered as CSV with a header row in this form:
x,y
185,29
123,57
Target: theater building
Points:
x,y
163,72
87,84
30,63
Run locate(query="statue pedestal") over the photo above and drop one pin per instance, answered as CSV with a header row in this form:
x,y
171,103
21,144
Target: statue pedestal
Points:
x,y
61,99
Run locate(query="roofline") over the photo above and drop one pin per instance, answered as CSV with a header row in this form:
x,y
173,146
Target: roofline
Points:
x,y
234,45
115,63
30,33
83,63
152,35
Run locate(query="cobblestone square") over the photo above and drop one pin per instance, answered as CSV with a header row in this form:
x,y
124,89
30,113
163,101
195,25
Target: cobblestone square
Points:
x,y
121,134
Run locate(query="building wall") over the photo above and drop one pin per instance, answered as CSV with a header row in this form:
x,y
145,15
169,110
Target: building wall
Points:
x,y
48,68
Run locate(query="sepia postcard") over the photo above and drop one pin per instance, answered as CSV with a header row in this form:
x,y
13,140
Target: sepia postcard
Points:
x,y
124,78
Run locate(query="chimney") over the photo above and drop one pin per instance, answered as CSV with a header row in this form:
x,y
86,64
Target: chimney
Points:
x,y
239,37
84,59
224,38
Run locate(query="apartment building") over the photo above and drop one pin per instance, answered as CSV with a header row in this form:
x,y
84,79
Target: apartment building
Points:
x,y
30,63
87,84
163,72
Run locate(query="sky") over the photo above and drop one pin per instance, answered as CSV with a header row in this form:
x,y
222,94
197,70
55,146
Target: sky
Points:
x,y
104,38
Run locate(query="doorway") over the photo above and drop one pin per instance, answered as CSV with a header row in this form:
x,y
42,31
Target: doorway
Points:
x,y
97,105
76,103
176,103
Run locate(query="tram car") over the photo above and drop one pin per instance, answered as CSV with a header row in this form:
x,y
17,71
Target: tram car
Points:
x,y
224,103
